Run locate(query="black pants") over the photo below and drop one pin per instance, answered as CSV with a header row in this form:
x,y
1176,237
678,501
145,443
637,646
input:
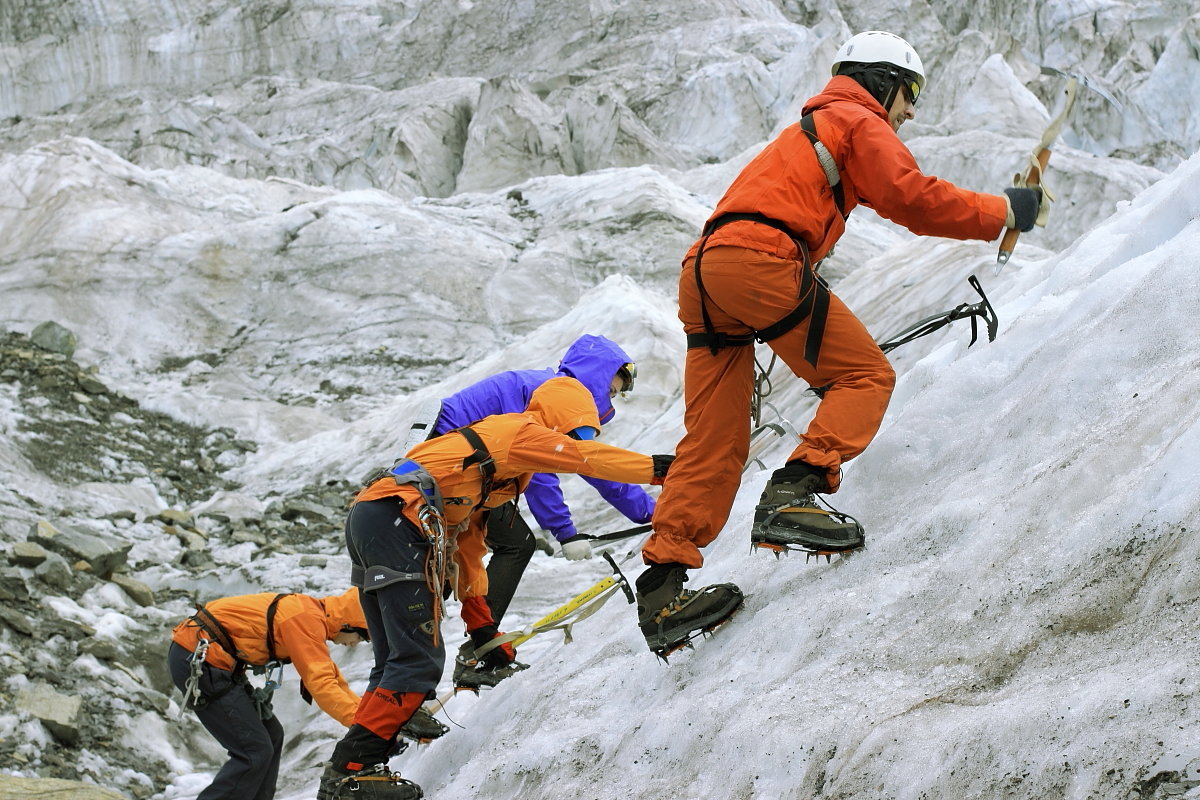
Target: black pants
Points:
x,y
254,745
511,542
399,615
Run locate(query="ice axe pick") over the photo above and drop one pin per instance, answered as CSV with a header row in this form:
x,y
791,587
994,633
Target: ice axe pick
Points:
x,y
1041,151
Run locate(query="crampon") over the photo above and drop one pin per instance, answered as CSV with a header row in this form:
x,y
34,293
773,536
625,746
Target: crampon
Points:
x,y
667,649
809,552
423,727
469,676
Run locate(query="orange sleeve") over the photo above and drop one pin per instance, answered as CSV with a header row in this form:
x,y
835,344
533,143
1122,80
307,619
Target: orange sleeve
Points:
x,y
538,449
468,555
887,178
303,635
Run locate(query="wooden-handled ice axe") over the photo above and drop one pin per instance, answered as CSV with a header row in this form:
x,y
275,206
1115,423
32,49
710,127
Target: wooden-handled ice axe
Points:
x,y
1041,151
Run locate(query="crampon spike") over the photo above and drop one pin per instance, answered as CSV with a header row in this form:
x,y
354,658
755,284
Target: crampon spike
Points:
x,y
777,549
671,649
809,553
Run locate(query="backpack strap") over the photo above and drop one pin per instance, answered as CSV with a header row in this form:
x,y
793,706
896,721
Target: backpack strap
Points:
x,y
827,162
481,457
208,622
271,629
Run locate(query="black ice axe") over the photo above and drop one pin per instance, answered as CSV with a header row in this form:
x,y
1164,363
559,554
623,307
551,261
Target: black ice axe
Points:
x,y
975,311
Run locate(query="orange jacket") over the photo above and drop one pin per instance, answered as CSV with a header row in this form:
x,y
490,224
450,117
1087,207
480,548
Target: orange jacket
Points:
x,y
785,182
302,625
521,444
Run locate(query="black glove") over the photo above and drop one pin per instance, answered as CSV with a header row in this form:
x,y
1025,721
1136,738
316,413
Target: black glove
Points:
x,y
1025,206
662,463
497,657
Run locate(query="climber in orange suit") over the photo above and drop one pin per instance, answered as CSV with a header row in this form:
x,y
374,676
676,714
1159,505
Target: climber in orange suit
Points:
x,y
420,526
752,276
212,650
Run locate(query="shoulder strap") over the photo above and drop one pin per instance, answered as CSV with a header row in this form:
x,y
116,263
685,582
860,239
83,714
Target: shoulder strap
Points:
x,y
271,628
809,126
481,456
208,622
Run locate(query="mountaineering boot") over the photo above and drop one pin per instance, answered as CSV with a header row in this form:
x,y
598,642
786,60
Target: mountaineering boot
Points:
x,y
669,615
422,727
373,783
787,514
470,673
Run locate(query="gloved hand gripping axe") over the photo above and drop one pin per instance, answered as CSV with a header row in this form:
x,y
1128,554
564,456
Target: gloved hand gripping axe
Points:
x,y
1040,156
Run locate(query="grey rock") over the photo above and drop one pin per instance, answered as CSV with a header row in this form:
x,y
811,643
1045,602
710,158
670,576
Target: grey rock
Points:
x,y
55,338
12,585
56,572
104,552
192,540
307,510
173,516
91,385
139,592
255,537
13,788
104,649
60,713
27,554
17,619
313,561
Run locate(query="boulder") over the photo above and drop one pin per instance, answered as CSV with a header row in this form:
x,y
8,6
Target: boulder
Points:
x,y
18,620
12,585
56,572
139,592
60,713
103,551
27,554
296,508
13,788
173,516
55,338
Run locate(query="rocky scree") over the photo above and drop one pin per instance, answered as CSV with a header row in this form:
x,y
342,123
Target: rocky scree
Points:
x,y
87,603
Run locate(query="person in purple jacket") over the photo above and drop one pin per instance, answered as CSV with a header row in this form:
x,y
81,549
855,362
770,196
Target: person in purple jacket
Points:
x,y
606,370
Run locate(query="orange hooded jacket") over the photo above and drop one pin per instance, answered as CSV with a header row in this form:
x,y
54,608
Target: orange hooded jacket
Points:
x,y
786,182
520,444
301,628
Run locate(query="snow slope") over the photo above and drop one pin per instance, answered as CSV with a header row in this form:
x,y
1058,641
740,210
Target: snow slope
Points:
x,y
1021,625
300,220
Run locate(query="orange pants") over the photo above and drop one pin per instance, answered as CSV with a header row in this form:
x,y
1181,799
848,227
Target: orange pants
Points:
x,y
747,290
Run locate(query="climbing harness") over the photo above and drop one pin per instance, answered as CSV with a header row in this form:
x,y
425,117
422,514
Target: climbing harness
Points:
x,y
827,162
762,435
813,300
431,516
214,632
192,696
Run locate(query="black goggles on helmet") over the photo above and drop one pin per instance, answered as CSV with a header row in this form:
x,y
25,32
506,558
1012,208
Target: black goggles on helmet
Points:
x,y
627,373
912,89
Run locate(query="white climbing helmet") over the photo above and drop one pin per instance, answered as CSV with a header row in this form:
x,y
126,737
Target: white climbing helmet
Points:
x,y
874,47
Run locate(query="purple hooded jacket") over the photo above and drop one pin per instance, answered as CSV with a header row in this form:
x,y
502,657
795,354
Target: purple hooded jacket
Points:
x,y
591,360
